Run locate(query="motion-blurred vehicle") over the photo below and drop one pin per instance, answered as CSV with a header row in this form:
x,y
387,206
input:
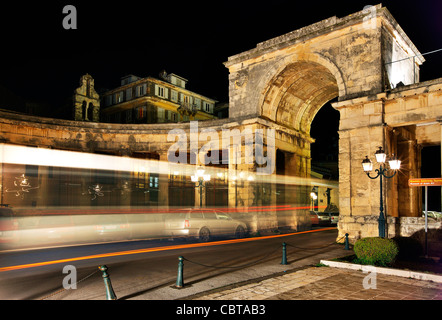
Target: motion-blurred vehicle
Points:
x,y
203,224
8,225
314,218
63,227
320,218
334,218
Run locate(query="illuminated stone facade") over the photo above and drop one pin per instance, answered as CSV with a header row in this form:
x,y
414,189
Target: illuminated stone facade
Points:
x,y
86,101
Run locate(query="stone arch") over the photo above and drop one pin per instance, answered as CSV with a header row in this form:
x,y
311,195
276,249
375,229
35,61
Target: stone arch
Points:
x,y
297,87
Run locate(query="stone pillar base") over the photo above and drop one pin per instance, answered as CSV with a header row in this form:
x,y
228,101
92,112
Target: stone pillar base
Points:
x,y
359,227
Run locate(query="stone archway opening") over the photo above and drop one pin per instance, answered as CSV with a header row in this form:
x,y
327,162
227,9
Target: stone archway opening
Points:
x,y
292,99
325,156
297,93
324,129
325,149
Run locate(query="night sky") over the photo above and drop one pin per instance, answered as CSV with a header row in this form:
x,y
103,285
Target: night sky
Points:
x,y
42,61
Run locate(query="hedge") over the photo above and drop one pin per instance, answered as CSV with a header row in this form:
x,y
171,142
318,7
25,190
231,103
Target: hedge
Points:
x,y
376,251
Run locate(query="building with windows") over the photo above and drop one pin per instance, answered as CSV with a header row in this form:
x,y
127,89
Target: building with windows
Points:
x,y
151,100
86,101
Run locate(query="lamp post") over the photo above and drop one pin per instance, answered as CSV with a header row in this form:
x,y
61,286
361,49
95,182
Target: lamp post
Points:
x,y
395,165
238,180
199,178
313,196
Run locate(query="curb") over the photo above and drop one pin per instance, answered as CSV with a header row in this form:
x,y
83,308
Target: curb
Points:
x,y
387,271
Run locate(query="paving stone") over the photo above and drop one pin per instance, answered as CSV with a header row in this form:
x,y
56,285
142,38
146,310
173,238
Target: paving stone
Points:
x,y
332,284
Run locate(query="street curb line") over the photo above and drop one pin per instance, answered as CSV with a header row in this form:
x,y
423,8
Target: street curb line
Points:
x,y
387,271
155,249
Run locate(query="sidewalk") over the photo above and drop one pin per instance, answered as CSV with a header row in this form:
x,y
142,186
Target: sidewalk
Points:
x,y
301,280
198,286
328,283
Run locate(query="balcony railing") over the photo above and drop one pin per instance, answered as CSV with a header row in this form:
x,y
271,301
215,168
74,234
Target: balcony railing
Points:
x,y
188,108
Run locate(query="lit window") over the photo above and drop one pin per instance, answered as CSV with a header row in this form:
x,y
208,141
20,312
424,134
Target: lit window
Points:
x,y
119,97
161,91
198,103
140,91
174,96
141,112
207,107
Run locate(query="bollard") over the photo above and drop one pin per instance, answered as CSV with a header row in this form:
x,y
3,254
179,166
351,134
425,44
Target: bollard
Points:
x,y
284,254
346,242
179,279
110,294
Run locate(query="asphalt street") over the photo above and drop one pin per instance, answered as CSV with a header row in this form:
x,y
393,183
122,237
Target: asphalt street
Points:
x,y
147,269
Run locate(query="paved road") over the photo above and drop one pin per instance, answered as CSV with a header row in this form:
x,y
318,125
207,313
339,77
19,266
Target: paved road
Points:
x,y
146,270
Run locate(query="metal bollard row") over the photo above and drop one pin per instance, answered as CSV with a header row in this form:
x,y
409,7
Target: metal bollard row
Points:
x,y
179,284
110,294
346,242
180,280
284,254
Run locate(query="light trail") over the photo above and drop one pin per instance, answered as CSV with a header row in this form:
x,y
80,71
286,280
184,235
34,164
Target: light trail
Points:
x,y
22,155
158,210
164,248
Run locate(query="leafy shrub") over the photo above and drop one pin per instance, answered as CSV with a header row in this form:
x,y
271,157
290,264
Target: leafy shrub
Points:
x,y
409,248
376,251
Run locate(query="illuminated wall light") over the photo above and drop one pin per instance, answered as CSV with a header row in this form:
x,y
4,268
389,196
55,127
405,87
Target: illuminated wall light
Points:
x,y
22,186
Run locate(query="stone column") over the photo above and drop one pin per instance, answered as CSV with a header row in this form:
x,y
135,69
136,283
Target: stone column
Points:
x,y
361,132
409,204
297,195
440,122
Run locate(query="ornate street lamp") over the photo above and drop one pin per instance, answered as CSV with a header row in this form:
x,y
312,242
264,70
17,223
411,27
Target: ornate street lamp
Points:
x,y
95,191
199,178
395,165
22,184
313,196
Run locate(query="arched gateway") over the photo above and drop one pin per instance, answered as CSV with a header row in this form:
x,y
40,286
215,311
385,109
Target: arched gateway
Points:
x,y
281,85
360,59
